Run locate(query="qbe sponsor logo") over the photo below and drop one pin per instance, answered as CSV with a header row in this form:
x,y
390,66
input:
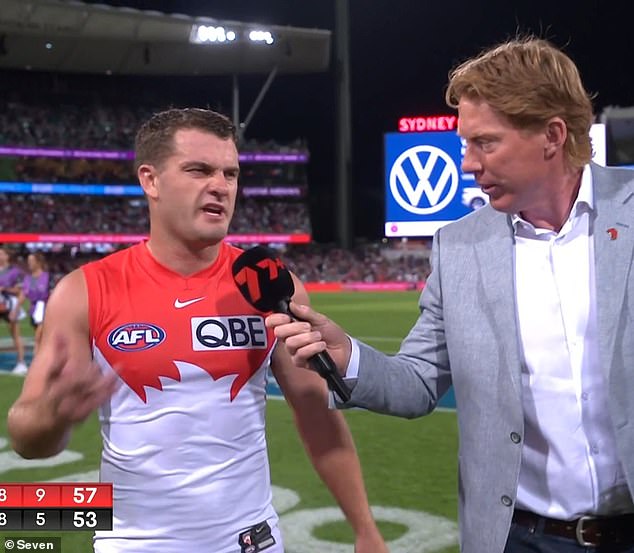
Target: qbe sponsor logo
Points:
x,y
226,333
423,172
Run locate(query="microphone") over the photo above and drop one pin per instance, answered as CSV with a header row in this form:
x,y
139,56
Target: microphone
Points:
x,y
266,284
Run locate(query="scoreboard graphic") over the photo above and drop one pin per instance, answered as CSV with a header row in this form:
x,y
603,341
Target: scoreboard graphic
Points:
x,y
52,506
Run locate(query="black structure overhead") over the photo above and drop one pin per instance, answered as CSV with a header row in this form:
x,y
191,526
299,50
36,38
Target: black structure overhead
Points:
x,y
72,36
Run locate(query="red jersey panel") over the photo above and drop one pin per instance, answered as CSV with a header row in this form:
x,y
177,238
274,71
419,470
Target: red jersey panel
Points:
x,y
144,318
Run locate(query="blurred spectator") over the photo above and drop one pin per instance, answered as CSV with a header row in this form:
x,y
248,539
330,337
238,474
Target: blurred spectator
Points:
x,y
10,310
42,213
69,126
365,263
36,287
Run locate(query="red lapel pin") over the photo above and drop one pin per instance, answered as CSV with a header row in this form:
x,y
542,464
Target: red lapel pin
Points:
x,y
613,233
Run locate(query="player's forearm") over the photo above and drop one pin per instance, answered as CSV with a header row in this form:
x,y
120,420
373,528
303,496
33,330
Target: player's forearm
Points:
x,y
332,453
342,475
34,433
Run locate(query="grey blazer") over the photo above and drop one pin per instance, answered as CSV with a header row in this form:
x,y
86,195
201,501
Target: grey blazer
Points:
x,y
467,335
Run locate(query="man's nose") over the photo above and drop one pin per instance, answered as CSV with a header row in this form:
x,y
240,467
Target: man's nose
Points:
x,y
218,183
470,162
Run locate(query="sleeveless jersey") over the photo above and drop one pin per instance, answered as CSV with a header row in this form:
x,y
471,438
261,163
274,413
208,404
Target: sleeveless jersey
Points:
x,y
183,435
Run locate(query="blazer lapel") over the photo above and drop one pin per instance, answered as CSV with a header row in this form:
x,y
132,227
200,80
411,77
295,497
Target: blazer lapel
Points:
x,y
496,263
613,249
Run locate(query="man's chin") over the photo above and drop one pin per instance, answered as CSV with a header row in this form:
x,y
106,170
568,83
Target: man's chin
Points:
x,y
501,204
210,237
215,238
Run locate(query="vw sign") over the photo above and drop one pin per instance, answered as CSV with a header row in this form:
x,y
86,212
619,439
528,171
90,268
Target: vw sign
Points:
x,y
424,182
420,187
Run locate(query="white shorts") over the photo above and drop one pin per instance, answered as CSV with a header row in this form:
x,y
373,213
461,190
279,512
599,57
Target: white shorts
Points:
x,y
38,312
10,302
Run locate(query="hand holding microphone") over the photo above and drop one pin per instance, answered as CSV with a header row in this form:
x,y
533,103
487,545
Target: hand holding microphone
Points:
x,y
266,283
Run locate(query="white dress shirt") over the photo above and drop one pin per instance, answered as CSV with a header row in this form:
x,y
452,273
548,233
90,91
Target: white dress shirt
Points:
x,y
570,465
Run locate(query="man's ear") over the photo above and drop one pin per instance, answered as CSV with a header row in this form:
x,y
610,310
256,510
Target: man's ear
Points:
x,y
148,177
556,134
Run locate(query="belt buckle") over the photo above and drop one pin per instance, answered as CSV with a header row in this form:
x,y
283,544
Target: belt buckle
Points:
x,y
579,531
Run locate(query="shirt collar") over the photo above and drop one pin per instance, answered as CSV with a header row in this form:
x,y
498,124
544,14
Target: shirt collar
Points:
x,y
583,202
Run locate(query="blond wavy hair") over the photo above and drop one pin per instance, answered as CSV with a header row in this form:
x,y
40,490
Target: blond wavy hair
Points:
x,y
529,81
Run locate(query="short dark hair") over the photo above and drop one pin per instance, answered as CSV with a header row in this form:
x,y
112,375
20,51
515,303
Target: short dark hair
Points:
x,y
154,140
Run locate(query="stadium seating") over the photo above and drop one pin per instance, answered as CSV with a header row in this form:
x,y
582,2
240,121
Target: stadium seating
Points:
x,y
272,200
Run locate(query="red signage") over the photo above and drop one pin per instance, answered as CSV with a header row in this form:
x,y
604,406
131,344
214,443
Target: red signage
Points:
x,y
428,123
21,237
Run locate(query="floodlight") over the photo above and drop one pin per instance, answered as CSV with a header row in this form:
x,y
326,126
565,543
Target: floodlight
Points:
x,y
203,34
261,36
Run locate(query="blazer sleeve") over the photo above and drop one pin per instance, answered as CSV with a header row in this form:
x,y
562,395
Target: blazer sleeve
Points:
x,y
410,383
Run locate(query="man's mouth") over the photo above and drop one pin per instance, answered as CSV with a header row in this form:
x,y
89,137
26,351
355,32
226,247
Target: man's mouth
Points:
x,y
214,209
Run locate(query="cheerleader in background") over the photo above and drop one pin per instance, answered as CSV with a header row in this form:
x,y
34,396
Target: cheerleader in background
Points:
x,y
10,280
36,288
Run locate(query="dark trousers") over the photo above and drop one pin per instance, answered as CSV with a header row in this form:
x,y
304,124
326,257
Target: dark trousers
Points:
x,y
524,540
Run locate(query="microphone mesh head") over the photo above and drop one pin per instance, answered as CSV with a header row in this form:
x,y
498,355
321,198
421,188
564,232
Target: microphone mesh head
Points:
x,y
263,279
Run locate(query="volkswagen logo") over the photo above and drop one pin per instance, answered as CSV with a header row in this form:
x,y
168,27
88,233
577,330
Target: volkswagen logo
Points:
x,y
423,171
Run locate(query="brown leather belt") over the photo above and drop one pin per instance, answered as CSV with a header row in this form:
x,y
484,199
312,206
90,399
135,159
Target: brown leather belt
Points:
x,y
587,531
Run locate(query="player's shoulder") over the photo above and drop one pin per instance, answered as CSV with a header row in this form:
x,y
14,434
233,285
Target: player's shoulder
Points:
x,y
112,261
70,291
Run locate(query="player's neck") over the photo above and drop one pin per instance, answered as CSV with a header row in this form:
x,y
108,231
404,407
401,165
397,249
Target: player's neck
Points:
x,y
181,258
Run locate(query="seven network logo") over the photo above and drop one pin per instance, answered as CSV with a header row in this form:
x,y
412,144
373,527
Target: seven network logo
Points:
x,y
423,171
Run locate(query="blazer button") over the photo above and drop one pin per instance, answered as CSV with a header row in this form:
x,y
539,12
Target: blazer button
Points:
x,y
506,501
515,438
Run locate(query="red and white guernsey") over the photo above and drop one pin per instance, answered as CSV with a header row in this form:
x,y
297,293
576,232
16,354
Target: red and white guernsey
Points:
x,y
183,435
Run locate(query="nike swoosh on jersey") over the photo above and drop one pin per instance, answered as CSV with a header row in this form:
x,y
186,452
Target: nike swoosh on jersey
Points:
x,y
180,304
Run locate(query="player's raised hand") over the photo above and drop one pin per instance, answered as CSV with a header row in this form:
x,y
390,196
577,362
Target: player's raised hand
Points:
x,y
311,333
74,388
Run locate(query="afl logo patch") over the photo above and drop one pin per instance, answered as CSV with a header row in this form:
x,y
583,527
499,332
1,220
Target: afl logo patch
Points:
x,y
136,337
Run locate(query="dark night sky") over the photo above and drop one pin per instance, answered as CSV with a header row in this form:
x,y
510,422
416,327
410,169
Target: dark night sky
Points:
x,y
400,54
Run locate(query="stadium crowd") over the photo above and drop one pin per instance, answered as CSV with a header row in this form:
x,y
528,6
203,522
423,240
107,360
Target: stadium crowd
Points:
x,y
366,262
73,125
42,169
92,126
69,214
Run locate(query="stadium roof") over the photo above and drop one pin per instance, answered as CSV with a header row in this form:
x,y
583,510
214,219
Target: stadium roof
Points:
x,y
72,36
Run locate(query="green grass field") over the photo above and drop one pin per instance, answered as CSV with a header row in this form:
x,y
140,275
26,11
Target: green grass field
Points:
x,y
409,467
